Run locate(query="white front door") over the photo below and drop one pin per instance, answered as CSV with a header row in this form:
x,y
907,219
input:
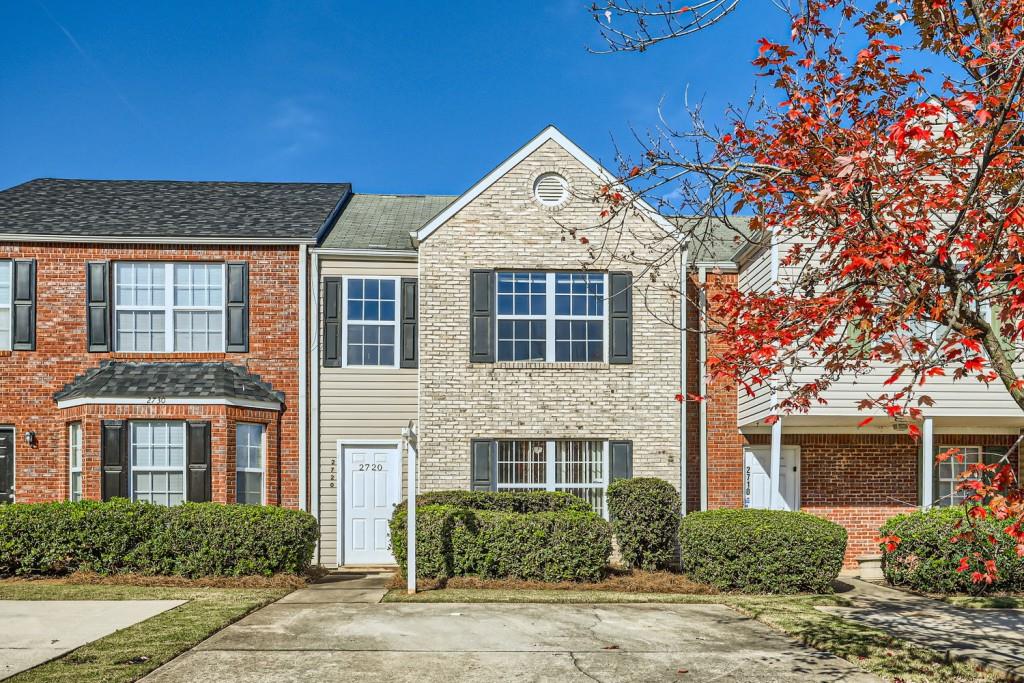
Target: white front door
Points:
x,y
757,485
373,487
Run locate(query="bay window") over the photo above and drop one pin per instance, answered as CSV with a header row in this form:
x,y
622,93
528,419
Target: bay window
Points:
x,y
556,317
576,467
157,462
169,307
75,461
250,451
6,285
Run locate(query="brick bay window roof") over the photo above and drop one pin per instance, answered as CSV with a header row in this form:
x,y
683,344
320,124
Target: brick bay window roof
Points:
x,y
383,221
183,383
185,211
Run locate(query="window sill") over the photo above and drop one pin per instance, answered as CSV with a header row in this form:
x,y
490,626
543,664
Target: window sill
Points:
x,y
540,365
161,356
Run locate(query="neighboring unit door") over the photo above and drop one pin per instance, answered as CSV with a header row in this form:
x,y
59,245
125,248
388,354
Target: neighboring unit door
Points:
x,y
6,465
373,487
757,488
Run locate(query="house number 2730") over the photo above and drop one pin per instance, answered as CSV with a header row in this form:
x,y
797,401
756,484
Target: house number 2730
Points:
x,y
370,467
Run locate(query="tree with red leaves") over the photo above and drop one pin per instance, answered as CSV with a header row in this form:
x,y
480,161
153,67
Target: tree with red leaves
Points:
x,y
894,194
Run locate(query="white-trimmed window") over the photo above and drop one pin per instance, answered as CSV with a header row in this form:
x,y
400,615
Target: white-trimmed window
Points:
x,y
158,462
371,322
250,456
169,307
551,317
6,287
950,472
576,467
75,461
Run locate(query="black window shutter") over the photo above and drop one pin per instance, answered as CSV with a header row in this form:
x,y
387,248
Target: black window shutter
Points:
x,y
620,460
97,304
6,465
620,318
23,328
481,316
484,456
114,459
236,308
410,326
332,322
197,443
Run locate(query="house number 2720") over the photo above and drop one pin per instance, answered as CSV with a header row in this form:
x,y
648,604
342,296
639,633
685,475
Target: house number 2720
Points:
x,y
371,467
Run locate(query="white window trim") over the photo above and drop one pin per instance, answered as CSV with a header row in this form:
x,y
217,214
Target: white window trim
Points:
x,y
955,496
8,309
549,472
550,317
72,470
132,469
169,309
346,322
262,471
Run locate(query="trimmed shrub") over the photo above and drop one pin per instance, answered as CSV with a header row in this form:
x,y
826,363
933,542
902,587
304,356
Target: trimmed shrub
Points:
x,y
506,501
762,551
927,556
645,518
547,546
119,536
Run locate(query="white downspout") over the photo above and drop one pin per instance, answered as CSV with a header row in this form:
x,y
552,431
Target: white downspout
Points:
x,y
315,398
927,465
303,370
775,466
682,380
702,278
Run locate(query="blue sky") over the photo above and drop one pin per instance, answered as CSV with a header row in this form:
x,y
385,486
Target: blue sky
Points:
x,y
409,97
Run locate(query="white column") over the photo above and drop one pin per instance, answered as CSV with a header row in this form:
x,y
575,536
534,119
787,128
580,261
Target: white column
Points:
x,y
775,468
927,464
411,520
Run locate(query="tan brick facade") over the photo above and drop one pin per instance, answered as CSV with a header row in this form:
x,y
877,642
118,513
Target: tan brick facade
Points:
x,y
504,228
30,378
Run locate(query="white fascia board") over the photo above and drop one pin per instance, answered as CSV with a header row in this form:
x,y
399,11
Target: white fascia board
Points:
x,y
143,239
727,266
169,401
549,133
374,254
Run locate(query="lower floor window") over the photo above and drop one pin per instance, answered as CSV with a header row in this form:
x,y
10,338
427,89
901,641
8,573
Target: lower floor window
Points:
x,y
951,471
250,449
75,456
576,467
158,462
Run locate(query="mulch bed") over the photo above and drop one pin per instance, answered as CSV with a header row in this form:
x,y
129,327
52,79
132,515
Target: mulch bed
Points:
x,y
618,580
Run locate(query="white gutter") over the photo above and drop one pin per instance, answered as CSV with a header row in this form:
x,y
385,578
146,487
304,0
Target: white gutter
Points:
x,y
314,392
385,254
303,398
140,239
167,401
702,278
682,381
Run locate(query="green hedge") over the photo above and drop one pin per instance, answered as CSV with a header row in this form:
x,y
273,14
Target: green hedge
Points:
x,y
505,501
119,536
547,546
762,551
926,558
645,518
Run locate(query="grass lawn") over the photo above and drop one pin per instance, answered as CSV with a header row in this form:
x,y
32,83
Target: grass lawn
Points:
x,y
131,653
871,649
985,601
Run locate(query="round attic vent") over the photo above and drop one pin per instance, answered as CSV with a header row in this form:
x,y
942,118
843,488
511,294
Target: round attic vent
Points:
x,y
551,189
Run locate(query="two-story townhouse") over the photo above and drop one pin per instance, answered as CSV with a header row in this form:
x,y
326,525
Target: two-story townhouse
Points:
x,y
151,341
521,361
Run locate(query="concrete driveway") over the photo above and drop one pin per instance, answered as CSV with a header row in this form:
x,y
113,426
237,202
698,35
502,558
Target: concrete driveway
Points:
x,y
332,633
36,631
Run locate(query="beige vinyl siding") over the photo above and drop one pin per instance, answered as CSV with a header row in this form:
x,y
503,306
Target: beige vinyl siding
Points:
x,y
755,276
357,404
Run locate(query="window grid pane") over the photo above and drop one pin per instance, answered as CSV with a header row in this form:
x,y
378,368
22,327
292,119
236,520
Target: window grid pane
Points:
x,y
522,464
75,460
249,458
371,307
158,461
578,468
950,473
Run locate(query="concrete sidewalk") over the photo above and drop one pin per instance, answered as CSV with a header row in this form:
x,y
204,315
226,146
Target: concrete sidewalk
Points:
x,y
35,631
991,637
338,631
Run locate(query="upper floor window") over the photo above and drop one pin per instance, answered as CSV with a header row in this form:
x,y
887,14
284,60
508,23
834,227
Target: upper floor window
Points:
x,y
551,316
169,307
371,321
6,285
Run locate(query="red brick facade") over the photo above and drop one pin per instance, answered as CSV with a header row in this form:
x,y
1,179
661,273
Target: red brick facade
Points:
x,y
30,378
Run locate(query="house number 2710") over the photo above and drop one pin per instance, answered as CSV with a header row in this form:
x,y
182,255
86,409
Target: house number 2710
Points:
x,y
371,467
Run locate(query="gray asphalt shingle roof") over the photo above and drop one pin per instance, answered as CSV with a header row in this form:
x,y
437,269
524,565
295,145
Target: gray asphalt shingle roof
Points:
x,y
288,212
715,239
383,221
120,379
